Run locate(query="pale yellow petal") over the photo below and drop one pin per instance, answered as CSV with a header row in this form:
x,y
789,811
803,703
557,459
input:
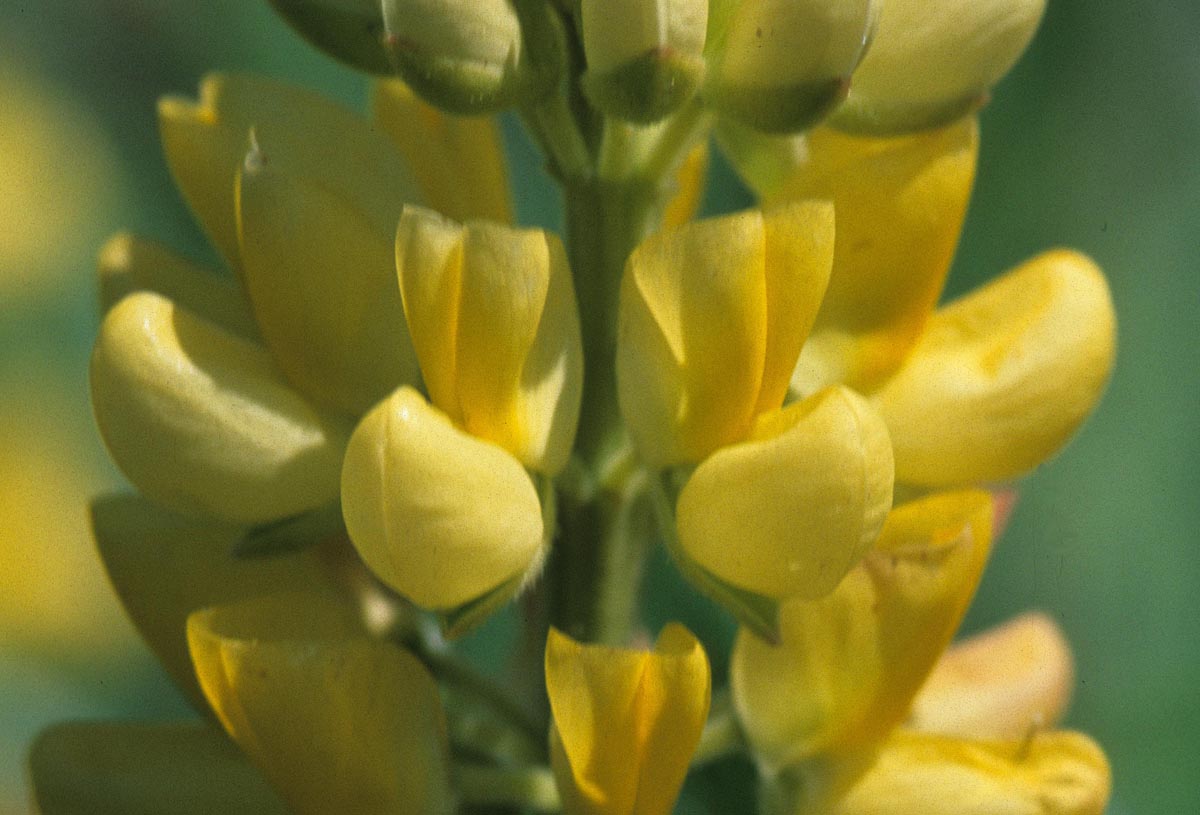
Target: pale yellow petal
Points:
x,y
321,277
1002,377
164,566
626,722
127,263
1000,683
931,61
712,316
335,721
206,140
439,515
199,419
1059,773
900,205
184,768
458,161
788,512
850,663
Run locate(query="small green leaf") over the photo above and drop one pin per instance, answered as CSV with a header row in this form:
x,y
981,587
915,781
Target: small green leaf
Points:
x,y
290,535
459,622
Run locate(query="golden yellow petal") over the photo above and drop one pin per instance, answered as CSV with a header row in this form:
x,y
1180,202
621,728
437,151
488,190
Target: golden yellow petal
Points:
x,y
626,722
335,721
1002,377
200,420
1060,773
439,515
128,263
900,205
788,512
321,278
712,316
850,663
206,140
458,161
689,182
998,684
164,566
184,768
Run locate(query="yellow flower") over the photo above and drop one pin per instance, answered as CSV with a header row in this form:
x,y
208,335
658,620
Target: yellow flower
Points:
x,y
625,722
826,710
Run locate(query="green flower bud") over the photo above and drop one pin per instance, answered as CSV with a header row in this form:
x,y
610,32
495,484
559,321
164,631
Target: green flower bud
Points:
x,y
350,31
643,56
781,65
465,56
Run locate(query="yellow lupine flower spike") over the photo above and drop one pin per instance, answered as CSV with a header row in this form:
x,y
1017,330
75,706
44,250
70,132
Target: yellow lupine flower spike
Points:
x,y
205,142
336,722
626,722
850,663
1002,377
321,278
998,684
493,319
900,206
712,317
444,151
441,516
200,420
1059,773
933,60
789,511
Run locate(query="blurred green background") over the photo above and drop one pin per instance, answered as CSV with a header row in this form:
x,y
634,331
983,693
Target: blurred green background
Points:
x,y
1091,142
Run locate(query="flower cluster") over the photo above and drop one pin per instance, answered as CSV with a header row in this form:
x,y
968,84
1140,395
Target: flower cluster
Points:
x,y
400,411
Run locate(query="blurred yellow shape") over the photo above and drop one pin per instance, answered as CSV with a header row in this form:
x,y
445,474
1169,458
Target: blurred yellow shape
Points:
x,y
998,684
1003,376
1060,773
626,722
335,721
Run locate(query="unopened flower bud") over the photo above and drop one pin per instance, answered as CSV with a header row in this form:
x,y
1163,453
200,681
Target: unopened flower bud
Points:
x,y
643,56
464,56
781,65
350,31
934,60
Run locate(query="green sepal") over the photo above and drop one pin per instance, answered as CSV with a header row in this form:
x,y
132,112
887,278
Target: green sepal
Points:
x,y
451,85
756,612
290,535
647,88
900,118
350,31
458,622
779,109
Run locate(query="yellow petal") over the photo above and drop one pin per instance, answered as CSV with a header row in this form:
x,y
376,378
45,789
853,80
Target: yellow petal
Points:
x,y
185,768
1001,378
1060,773
933,60
496,329
712,317
998,684
850,663
900,204
165,566
200,421
788,512
128,263
689,182
439,515
335,721
626,722
321,277
458,161
206,140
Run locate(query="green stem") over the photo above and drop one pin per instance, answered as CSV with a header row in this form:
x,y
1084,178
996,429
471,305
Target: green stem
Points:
x,y
530,788
460,675
722,734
